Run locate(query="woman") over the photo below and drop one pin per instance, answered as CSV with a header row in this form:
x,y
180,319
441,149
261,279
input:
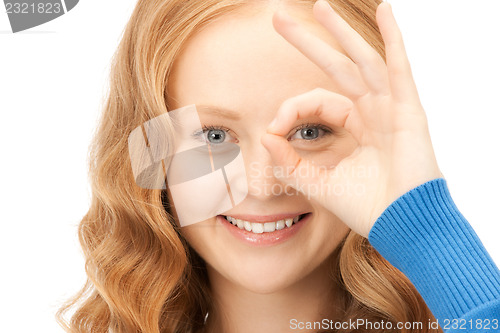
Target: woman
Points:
x,y
362,226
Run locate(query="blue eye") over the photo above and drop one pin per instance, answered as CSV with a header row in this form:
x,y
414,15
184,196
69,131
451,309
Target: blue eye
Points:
x,y
216,136
309,132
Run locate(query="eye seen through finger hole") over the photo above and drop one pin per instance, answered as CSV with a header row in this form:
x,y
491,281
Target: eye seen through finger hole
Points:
x,y
309,132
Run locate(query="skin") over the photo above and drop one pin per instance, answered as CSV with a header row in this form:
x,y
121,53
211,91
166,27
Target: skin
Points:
x,y
258,64
378,105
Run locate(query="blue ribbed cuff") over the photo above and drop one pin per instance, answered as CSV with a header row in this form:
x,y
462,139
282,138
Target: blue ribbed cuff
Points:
x,y
424,235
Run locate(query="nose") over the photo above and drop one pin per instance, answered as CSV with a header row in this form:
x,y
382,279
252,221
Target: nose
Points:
x,y
262,184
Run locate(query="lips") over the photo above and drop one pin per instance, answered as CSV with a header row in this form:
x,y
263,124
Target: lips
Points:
x,y
264,230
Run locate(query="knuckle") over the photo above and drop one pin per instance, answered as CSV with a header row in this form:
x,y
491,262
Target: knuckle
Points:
x,y
289,103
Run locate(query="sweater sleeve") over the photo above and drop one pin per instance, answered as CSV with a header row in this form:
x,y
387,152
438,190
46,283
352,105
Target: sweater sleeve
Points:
x,y
424,235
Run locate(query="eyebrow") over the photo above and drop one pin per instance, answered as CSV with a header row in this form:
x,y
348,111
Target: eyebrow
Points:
x,y
219,111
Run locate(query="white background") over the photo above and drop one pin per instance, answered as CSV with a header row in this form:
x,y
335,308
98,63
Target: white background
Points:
x,y
52,81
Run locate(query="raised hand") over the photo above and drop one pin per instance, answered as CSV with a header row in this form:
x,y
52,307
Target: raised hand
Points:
x,y
377,103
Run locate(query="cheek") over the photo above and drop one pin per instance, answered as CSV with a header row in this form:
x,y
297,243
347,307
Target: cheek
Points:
x,y
199,234
327,231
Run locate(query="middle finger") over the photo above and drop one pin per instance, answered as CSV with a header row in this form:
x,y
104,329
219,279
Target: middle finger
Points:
x,y
336,65
371,65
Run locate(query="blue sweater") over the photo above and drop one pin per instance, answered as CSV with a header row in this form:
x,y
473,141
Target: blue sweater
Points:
x,y
424,235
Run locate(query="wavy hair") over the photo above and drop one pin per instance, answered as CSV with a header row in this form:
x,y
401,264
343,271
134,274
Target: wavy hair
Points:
x,y
142,276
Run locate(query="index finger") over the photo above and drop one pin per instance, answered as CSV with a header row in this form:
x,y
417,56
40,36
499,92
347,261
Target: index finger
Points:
x,y
336,65
329,106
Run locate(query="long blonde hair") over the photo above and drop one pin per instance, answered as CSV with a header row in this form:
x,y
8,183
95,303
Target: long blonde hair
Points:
x,y
142,275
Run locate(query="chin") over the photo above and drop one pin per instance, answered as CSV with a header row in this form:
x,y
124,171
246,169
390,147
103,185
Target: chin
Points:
x,y
267,271
267,277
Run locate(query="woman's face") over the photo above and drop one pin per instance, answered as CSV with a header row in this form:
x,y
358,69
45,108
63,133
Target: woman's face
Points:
x,y
240,63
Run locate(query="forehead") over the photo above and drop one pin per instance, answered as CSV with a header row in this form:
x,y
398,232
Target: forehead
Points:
x,y
239,61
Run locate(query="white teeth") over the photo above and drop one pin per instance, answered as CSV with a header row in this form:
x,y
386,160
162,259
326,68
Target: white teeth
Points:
x,y
280,224
259,228
248,226
269,226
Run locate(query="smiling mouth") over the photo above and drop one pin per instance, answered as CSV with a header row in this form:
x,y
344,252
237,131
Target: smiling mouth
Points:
x,y
264,227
